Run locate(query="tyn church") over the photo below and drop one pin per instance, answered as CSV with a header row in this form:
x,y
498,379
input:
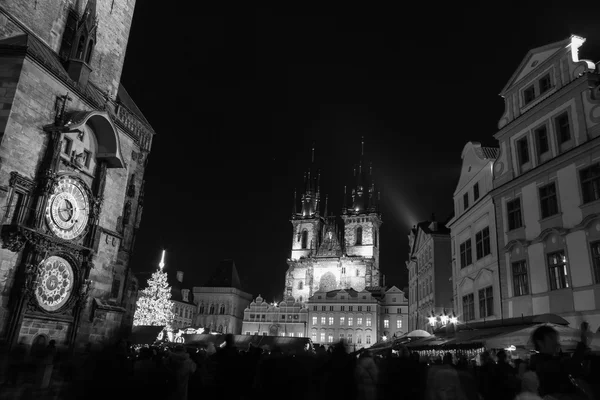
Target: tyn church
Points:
x,y
334,252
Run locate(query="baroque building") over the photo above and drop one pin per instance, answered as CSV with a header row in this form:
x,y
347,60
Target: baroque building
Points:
x,y
221,301
184,308
546,186
330,253
73,151
429,273
288,318
475,275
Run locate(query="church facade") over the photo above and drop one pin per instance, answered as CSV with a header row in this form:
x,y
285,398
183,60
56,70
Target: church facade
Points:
x,y
331,252
73,151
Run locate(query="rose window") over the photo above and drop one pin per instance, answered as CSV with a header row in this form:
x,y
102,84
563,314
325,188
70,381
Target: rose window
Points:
x,y
54,284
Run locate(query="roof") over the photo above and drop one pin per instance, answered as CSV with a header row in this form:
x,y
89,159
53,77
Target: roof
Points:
x,y
124,98
226,275
351,292
441,230
490,153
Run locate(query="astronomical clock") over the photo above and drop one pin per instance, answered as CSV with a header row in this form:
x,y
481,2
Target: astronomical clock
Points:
x,y
73,153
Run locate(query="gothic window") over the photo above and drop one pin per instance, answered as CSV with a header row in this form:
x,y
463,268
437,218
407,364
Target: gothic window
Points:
x,y
201,309
80,48
222,310
300,285
304,239
212,309
116,286
88,56
359,233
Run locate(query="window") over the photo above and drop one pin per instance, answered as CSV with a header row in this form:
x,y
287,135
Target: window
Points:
x,y
349,338
323,308
520,280
357,272
201,309
283,317
563,128
468,307
114,290
291,334
341,336
368,321
349,321
350,308
323,320
466,255
67,146
482,243
548,200
466,201
398,310
359,308
343,270
342,320
359,321
330,338
248,333
359,232
330,308
314,319
590,183
264,333
368,339
529,94
330,320
596,260
386,310
486,302
222,310
398,324
323,337
541,139
300,285
87,156
368,308
304,239
513,209
358,339
523,151
386,323
314,308
476,191
545,84
342,308
313,336
212,309
557,264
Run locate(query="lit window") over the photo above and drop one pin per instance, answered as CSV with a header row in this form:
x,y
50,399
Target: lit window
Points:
x,y
368,339
342,320
314,319
386,323
291,334
349,321
557,264
341,336
349,338
359,321
368,321
313,336
248,333
520,279
330,320
323,337
358,339
330,338
486,302
399,324
322,320
469,307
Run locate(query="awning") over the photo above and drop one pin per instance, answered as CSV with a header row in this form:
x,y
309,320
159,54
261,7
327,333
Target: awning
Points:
x,y
243,342
145,334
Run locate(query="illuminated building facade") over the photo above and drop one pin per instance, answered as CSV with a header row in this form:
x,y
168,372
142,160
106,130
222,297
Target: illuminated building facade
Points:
x,y
329,253
393,311
429,273
288,318
73,150
546,186
184,308
475,278
221,301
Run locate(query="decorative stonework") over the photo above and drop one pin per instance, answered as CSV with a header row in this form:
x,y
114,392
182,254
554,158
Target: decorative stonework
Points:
x,y
54,283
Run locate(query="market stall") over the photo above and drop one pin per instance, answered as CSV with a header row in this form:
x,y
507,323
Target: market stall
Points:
x,y
145,334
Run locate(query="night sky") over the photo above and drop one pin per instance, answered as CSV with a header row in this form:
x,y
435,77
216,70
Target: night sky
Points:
x,y
238,96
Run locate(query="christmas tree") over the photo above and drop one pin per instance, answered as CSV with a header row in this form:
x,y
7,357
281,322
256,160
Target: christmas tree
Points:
x,y
154,304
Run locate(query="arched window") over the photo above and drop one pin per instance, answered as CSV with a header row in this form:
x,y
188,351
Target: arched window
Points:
x,y
222,310
220,328
300,285
201,309
88,55
212,309
359,236
80,48
304,239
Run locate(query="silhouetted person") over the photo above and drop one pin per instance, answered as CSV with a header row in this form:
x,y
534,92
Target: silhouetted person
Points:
x,y
16,365
181,367
367,377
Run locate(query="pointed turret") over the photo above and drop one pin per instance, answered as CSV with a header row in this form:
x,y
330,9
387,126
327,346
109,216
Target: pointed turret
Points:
x,y
363,196
311,197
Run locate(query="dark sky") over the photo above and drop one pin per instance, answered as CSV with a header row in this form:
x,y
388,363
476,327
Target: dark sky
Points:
x,y
237,96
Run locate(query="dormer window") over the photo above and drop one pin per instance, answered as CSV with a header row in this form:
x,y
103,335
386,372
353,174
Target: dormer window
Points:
x,y
545,84
529,94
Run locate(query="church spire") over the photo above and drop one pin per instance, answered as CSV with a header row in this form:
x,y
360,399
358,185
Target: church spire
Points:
x,y
311,197
363,192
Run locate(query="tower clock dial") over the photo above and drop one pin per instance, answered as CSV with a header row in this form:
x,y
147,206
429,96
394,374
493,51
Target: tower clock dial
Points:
x,y
67,211
54,283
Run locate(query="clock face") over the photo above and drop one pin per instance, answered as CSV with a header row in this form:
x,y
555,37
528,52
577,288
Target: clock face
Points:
x,y
67,212
54,283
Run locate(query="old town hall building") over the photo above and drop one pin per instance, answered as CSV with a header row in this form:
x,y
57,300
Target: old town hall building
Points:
x,y
73,150
329,254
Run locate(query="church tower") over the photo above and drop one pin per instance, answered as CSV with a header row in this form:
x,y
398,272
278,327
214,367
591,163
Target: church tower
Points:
x,y
362,221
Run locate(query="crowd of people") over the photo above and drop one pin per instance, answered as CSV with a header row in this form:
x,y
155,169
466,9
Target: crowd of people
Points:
x,y
181,373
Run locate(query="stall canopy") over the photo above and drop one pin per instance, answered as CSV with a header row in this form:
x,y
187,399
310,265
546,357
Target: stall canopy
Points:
x,y
242,342
145,334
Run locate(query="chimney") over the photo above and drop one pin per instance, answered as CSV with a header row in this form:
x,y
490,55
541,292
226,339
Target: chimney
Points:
x,y
180,276
185,294
434,225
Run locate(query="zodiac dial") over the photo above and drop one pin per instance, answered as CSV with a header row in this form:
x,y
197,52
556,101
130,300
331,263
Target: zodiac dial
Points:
x,y
54,283
67,212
